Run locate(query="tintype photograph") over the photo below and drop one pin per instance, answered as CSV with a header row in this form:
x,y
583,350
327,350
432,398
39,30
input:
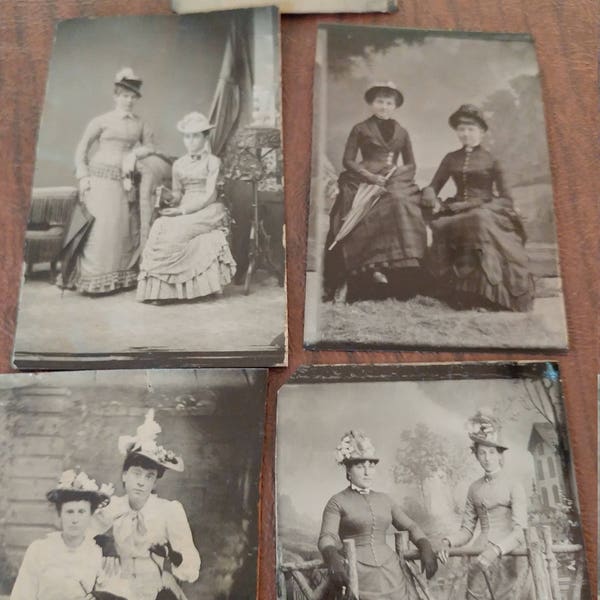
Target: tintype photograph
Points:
x,y
155,234
431,219
290,6
130,484
426,481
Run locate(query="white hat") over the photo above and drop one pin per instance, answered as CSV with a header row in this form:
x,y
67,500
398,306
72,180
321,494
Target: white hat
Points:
x,y
194,122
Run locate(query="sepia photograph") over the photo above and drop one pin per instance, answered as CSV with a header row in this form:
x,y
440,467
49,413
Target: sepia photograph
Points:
x,y
130,484
452,481
431,219
290,6
155,233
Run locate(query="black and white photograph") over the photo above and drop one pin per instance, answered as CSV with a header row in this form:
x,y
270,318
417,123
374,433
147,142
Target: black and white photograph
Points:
x,y
155,235
431,219
422,482
130,484
290,6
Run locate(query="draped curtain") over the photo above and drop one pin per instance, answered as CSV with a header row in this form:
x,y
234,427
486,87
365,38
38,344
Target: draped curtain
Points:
x,y
232,102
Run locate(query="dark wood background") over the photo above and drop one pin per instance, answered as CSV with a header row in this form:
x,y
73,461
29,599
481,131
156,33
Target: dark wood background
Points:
x,y
566,35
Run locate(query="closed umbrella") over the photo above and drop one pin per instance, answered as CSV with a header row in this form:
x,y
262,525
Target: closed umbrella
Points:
x,y
366,197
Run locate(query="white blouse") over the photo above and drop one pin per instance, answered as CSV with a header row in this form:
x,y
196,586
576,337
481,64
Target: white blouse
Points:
x,y
159,521
52,571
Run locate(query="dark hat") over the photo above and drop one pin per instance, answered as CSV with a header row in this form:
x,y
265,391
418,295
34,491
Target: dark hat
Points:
x,y
75,485
467,113
128,80
386,86
485,429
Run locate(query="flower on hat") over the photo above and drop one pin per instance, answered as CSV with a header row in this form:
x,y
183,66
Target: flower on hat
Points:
x,y
484,425
354,445
76,480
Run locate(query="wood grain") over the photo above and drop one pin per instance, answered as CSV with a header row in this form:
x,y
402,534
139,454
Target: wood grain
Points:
x,y
566,35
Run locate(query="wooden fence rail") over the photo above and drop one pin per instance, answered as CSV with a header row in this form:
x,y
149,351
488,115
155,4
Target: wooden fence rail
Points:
x,y
542,554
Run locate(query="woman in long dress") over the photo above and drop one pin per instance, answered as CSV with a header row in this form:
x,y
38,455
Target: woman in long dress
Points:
x,y
66,564
383,253
109,257
147,530
187,254
364,515
478,255
499,505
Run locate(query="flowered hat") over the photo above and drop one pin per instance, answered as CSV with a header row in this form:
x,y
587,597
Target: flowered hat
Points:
x,y
387,86
144,444
484,428
194,122
76,485
129,81
355,446
467,113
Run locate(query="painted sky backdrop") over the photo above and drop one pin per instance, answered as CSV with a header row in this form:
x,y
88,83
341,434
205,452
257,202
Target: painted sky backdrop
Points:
x,y
311,419
435,74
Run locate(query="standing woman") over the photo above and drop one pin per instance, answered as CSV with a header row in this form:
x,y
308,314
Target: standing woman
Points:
x,y
108,259
500,506
360,513
66,564
148,530
478,252
384,251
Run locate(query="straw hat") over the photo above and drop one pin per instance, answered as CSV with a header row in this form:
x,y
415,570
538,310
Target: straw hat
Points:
x,y
75,485
194,122
485,429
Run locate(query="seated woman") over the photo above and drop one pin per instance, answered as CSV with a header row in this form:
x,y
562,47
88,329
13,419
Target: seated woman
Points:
x,y
187,254
66,564
478,252
385,249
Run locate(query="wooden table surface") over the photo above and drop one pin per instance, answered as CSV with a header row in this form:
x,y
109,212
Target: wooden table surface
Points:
x,y
566,35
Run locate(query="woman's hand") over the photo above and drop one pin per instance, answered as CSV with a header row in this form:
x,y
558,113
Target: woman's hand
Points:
x,y
111,566
427,556
443,552
457,207
337,566
488,556
379,180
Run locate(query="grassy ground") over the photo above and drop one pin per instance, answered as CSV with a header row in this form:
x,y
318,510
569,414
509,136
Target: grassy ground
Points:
x,y
425,322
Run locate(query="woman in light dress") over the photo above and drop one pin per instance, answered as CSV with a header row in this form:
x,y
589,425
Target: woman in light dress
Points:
x,y
499,505
66,564
148,530
105,162
187,254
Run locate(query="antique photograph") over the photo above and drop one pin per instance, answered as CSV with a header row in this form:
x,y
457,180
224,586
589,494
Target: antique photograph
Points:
x,y
155,234
431,219
422,482
130,484
290,6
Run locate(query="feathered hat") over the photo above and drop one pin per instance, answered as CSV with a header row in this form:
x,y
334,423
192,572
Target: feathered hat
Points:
x,y
76,485
355,446
484,428
129,81
144,444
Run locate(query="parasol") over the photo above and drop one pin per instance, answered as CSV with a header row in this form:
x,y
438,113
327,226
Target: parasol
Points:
x,y
366,197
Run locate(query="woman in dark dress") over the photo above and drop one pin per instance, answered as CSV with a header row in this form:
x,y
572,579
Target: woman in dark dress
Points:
x,y
478,252
387,246
364,515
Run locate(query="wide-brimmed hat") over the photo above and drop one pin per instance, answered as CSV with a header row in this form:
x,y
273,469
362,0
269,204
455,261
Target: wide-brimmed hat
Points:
x,y
467,113
128,80
194,122
485,429
76,485
143,443
355,446
387,86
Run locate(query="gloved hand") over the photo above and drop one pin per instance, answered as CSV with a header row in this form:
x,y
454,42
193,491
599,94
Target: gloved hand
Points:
x,y
166,551
107,545
488,556
427,556
336,564
428,198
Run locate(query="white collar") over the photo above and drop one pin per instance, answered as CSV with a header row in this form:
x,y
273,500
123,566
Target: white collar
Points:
x,y
363,491
123,114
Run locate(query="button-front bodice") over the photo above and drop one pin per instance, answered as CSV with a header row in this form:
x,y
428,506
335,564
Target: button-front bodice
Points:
x,y
365,518
478,176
